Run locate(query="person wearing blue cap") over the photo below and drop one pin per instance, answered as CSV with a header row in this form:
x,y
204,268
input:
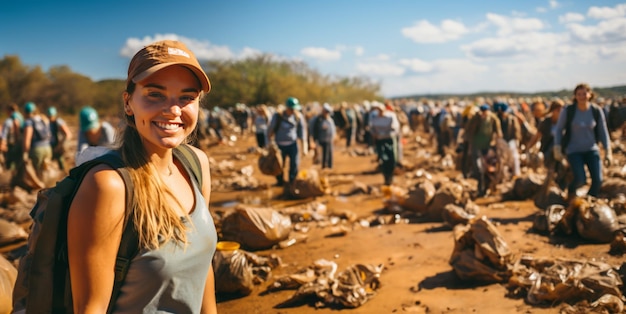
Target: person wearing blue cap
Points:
x,y
286,128
511,132
93,131
36,140
11,137
60,134
481,133
323,133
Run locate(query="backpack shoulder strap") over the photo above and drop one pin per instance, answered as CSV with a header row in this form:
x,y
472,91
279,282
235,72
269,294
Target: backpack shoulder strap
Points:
x,y
570,111
185,154
129,244
279,120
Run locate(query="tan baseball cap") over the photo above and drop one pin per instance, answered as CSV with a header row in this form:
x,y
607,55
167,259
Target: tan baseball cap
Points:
x,y
162,54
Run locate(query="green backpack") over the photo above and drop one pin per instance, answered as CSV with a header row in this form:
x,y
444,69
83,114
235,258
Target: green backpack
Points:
x,y
43,283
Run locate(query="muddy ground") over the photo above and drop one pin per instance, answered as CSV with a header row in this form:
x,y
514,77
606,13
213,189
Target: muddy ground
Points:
x,y
417,277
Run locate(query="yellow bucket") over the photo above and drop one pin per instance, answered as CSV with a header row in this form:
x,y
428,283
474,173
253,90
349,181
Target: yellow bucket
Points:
x,y
227,246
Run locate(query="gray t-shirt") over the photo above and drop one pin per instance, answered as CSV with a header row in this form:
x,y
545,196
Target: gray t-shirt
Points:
x,y
583,137
172,278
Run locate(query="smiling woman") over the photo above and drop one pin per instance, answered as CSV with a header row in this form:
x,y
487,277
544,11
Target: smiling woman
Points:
x,y
176,235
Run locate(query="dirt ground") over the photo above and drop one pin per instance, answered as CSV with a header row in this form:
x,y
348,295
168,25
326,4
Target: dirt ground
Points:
x,y
417,277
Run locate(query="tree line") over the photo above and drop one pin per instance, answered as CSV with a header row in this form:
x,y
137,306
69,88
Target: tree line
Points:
x,y
258,80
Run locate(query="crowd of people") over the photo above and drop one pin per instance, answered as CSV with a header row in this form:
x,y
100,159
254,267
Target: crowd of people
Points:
x,y
488,136
469,129
28,134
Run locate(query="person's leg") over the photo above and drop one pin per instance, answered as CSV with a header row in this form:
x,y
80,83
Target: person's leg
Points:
x,y
388,158
294,161
348,137
593,162
515,154
330,155
577,166
325,160
280,179
260,140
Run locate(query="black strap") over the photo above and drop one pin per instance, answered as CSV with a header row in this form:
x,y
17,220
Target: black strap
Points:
x,y
129,244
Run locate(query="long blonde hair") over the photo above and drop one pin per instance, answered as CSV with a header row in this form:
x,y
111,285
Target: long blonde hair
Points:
x,y
155,220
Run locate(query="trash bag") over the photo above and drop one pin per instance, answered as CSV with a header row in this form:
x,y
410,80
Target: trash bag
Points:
x,y
233,273
349,289
8,273
526,187
550,196
552,281
256,228
612,187
480,253
448,193
307,184
26,177
453,215
11,233
595,220
546,222
271,163
419,196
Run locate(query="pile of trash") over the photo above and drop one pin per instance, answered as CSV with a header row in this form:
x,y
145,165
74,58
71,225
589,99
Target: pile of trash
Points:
x,y
321,285
481,255
435,200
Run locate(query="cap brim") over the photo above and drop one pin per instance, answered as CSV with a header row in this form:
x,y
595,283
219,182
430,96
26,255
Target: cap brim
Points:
x,y
202,77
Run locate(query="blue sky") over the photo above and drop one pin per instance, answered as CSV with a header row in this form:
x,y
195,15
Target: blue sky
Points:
x,y
410,47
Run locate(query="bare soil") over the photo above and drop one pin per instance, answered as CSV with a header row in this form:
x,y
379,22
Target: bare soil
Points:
x,y
417,277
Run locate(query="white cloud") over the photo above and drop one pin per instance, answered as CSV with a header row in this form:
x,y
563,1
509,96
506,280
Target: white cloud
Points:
x,y
248,52
321,54
554,4
382,57
603,13
203,50
571,17
514,45
426,33
359,51
380,69
507,25
417,65
613,30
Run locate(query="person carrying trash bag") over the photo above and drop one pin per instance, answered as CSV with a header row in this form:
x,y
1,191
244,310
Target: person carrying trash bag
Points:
x,y
36,138
286,128
481,133
384,128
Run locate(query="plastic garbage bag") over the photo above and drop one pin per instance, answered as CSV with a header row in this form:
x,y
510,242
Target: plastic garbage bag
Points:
x,y
256,228
480,253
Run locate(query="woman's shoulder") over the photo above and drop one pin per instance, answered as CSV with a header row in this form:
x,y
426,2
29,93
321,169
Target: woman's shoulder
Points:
x,y
103,190
103,178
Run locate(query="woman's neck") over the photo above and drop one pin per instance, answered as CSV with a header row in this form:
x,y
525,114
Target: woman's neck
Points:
x,y
582,104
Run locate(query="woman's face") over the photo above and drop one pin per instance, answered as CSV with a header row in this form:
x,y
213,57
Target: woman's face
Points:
x,y
165,107
582,95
